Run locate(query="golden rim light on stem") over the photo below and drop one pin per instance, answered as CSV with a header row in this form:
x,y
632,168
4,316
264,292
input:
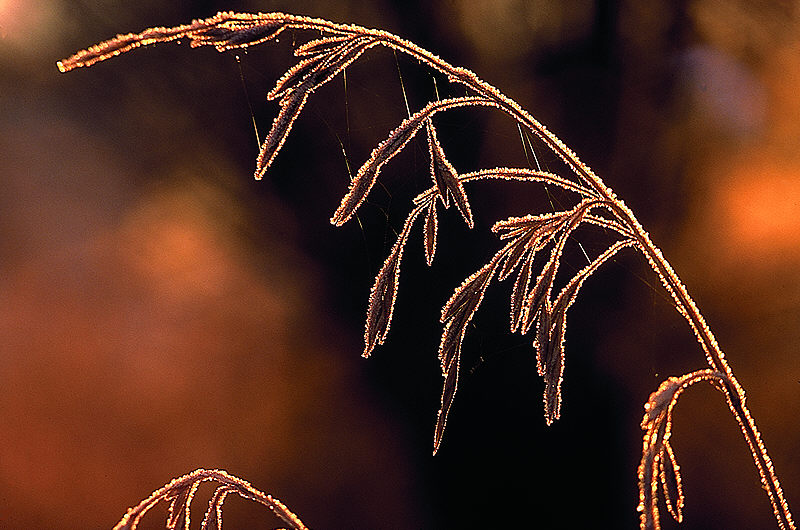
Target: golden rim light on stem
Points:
x,y
533,306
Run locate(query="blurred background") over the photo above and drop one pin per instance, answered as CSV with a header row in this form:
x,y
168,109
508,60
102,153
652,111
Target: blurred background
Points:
x,y
161,311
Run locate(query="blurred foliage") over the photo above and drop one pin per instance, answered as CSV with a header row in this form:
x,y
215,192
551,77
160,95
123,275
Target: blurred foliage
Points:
x,y
160,311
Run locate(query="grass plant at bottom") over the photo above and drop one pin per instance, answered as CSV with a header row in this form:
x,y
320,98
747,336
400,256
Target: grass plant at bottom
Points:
x,y
531,248
180,493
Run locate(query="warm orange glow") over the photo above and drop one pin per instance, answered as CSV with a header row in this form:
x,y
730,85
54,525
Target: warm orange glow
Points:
x,y
765,209
759,211
9,10
28,25
160,312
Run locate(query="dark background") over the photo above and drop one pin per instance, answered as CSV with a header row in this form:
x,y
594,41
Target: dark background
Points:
x,y
161,311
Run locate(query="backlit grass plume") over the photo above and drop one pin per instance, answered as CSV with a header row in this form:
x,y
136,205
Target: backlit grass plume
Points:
x,y
543,291
181,491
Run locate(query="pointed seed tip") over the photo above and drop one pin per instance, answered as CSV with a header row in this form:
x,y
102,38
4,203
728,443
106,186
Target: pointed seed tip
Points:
x,y
261,169
339,218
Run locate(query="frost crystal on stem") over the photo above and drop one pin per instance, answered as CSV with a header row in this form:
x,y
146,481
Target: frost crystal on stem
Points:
x,y
533,309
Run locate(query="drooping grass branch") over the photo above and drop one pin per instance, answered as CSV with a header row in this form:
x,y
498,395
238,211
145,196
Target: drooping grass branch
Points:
x,y
538,306
658,465
181,491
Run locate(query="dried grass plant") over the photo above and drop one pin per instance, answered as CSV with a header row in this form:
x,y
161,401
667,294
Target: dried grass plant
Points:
x,y
531,250
181,491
